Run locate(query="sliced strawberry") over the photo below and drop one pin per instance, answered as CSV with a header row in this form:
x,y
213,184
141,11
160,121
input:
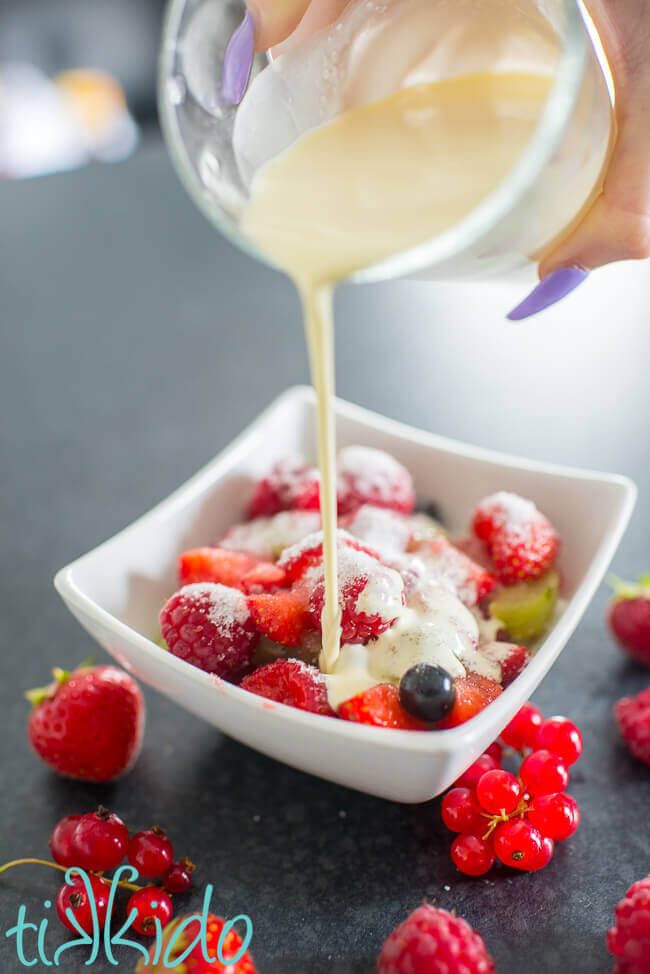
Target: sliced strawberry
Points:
x,y
510,657
380,707
471,582
214,565
473,694
293,683
282,616
265,577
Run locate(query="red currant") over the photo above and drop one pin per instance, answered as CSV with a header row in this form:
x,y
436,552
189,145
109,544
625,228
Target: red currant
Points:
x,y
150,904
472,855
73,896
462,813
517,843
561,737
556,816
469,778
151,852
498,791
522,730
545,856
60,840
178,877
495,751
543,773
99,841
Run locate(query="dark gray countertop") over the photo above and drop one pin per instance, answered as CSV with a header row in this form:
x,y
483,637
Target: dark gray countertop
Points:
x,y
135,344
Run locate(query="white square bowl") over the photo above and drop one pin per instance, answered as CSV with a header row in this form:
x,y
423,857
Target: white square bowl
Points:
x,y
117,590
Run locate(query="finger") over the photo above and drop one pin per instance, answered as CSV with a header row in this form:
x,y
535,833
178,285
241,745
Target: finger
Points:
x,y
275,20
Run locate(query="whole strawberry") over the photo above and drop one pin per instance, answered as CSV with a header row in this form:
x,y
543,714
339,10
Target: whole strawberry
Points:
x,y
629,617
88,724
160,960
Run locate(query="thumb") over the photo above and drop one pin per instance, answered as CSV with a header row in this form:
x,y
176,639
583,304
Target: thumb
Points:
x,y
275,20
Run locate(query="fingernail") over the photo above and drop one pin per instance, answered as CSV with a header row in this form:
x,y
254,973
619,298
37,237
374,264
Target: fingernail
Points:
x,y
237,62
549,291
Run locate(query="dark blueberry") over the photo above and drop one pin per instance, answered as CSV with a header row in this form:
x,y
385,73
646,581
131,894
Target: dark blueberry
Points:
x,y
427,692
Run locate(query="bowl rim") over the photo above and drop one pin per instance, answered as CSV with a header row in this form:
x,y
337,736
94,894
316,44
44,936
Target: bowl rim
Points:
x,y
449,740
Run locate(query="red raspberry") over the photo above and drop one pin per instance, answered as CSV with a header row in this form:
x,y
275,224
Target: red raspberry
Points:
x,y
633,716
629,617
88,724
291,485
367,476
175,943
214,565
380,707
291,682
521,541
629,939
452,567
298,558
432,941
371,596
210,626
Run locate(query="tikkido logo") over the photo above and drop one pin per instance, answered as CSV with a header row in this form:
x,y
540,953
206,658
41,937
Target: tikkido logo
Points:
x,y
167,957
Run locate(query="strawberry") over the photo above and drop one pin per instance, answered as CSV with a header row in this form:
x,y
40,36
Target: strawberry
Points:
x,y
291,485
511,658
215,565
369,476
160,960
282,616
298,558
264,577
291,682
88,724
380,707
448,564
521,541
473,694
629,617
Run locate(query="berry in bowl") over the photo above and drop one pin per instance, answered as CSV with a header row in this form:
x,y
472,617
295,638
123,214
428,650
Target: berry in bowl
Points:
x,y
448,624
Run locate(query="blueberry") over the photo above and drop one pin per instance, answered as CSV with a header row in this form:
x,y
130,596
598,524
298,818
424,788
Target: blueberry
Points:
x,y
427,692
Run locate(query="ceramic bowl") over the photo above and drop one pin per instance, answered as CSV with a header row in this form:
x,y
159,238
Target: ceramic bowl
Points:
x,y
116,590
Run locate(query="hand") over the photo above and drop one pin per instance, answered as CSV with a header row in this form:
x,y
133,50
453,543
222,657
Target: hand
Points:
x,y
617,227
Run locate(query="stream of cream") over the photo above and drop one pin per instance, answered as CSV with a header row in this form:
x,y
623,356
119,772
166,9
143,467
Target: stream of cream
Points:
x,y
380,179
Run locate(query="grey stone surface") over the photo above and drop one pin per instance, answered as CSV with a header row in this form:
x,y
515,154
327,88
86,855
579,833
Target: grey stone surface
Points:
x,y
135,344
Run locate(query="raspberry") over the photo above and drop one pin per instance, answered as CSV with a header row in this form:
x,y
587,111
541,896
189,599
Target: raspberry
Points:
x,y
298,558
291,485
370,595
380,707
633,716
432,941
629,938
291,682
450,566
210,626
367,476
521,541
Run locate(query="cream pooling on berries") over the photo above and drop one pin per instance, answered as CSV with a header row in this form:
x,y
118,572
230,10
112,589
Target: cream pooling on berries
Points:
x,y
323,207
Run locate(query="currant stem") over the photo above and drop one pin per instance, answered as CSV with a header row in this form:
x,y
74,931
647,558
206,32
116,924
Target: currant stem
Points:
x,y
54,865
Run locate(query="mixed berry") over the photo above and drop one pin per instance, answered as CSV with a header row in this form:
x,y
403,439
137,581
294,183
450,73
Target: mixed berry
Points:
x,y
441,626
516,819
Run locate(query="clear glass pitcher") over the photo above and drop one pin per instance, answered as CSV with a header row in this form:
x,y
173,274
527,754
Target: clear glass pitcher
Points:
x,y
549,188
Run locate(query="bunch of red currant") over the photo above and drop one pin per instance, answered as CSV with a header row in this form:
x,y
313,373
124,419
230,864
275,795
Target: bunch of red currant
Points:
x,y
517,820
99,842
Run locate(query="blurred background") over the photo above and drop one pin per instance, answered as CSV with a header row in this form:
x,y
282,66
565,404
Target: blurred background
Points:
x,y
77,81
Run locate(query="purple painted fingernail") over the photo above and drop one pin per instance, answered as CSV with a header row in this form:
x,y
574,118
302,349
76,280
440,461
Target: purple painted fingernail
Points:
x,y
552,289
237,62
